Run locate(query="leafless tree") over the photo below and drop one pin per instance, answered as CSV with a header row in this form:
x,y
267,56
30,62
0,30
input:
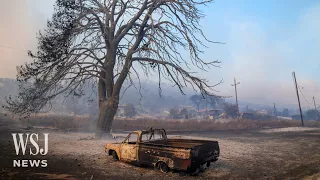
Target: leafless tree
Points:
x,y
113,42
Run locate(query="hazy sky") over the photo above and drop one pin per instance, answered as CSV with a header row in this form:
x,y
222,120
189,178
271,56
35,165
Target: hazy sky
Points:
x,y
265,41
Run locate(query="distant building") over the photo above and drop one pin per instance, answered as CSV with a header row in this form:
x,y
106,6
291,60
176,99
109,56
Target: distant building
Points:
x,y
120,111
261,111
284,118
188,112
186,107
247,115
210,113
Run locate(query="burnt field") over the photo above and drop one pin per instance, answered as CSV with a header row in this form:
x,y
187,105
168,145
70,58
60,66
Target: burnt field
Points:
x,y
260,153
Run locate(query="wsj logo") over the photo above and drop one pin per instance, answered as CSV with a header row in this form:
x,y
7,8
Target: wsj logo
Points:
x,y
21,141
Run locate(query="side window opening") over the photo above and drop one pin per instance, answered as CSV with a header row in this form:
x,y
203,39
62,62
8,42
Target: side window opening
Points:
x,y
132,138
145,137
152,136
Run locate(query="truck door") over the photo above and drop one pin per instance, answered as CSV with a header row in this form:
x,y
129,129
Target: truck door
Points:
x,y
129,148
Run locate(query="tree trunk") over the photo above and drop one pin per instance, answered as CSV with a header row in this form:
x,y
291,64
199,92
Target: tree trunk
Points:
x,y
107,111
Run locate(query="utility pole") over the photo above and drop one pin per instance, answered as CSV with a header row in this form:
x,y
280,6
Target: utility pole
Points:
x,y
296,84
274,109
198,104
206,103
206,106
235,89
315,108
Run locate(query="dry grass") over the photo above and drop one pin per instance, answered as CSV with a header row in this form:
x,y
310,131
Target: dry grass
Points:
x,y
69,123
87,124
194,125
263,154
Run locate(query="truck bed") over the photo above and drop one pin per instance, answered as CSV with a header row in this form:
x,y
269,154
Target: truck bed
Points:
x,y
199,151
178,143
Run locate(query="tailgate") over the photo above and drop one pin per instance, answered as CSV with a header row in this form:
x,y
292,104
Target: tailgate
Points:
x,y
207,151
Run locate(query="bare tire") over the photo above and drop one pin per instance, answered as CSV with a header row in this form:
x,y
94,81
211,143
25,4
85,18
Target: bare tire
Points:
x,y
163,167
195,172
114,155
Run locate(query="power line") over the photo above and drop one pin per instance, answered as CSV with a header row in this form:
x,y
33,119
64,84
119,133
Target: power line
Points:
x,y
298,87
303,95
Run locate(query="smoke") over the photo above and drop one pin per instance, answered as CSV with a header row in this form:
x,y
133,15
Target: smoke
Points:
x,y
260,59
263,60
20,21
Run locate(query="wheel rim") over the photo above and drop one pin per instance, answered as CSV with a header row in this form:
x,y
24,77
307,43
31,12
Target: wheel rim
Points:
x,y
164,167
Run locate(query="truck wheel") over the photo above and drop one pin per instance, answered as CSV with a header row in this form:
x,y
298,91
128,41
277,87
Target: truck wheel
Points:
x,y
195,172
114,155
163,167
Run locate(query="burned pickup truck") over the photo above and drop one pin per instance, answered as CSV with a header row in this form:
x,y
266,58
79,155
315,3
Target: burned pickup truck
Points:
x,y
153,148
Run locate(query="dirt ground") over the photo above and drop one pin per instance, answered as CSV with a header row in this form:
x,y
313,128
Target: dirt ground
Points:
x,y
286,153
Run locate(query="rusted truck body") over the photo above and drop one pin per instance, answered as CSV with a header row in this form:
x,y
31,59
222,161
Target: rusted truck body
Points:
x,y
153,148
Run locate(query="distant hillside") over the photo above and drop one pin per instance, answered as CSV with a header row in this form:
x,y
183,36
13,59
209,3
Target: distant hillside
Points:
x,y
148,98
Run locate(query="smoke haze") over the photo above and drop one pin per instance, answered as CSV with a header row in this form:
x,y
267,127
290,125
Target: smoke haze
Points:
x,y
260,55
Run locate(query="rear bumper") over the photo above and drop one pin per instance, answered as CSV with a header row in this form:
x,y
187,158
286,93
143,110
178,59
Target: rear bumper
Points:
x,y
197,163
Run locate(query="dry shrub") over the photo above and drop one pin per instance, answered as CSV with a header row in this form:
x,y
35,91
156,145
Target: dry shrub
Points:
x,y
204,125
88,123
70,123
